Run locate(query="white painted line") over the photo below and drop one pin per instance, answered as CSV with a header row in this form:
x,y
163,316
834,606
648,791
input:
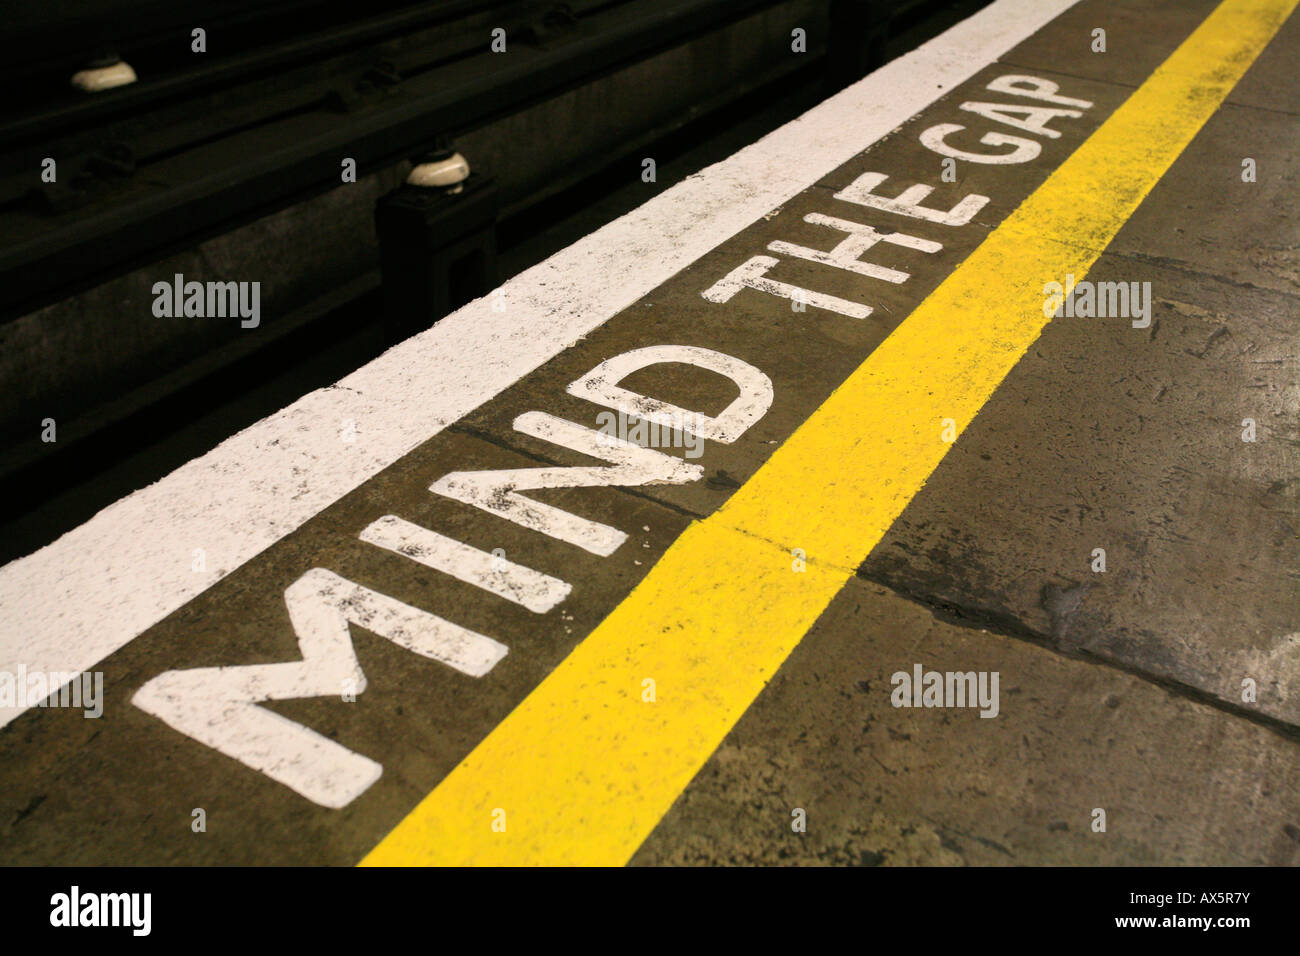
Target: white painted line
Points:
x,y
74,602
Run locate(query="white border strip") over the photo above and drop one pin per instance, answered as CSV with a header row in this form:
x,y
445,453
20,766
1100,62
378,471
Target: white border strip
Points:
x,y
74,602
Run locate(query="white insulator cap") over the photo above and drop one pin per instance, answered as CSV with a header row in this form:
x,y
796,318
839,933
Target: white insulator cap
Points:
x,y
445,172
104,77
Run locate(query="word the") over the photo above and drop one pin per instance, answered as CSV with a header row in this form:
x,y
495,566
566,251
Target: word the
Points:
x,y
860,238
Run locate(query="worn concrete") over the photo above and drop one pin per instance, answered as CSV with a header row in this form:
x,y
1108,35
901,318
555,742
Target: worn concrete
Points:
x,y
1145,460
1181,783
1140,35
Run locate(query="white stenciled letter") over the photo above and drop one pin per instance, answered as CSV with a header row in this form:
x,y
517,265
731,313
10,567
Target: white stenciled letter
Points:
x,y
600,385
217,706
1032,119
847,254
908,202
492,572
497,492
752,274
1034,88
1025,149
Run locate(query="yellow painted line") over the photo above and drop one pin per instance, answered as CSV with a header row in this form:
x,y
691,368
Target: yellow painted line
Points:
x,y
583,769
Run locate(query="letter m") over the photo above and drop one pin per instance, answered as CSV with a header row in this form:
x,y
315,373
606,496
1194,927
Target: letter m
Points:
x,y
116,909
222,299
217,706
1115,295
